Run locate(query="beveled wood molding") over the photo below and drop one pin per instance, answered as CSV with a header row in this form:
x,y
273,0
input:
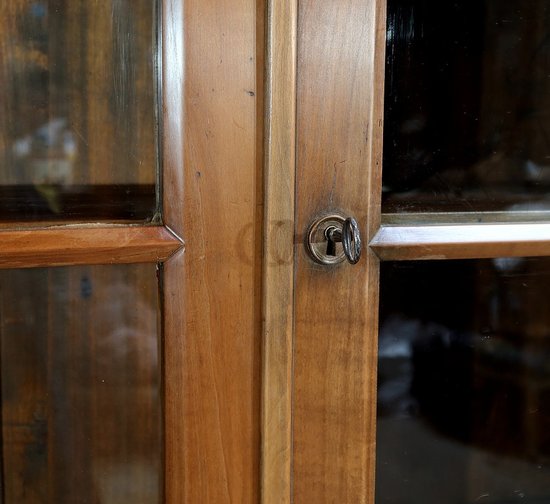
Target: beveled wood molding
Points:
x,y
461,241
86,244
173,66
173,278
278,259
173,358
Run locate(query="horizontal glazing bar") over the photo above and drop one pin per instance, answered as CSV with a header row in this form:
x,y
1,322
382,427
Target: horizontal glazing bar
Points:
x,y
398,243
92,244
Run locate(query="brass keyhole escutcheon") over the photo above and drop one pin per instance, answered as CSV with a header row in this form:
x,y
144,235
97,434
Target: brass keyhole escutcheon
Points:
x,y
333,238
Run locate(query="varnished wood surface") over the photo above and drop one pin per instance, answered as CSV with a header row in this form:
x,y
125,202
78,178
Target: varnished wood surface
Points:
x,y
173,312
278,280
172,115
339,124
86,245
212,293
462,241
175,385
213,316
212,157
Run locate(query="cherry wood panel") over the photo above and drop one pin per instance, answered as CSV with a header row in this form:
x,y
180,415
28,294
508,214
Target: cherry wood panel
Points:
x,y
212,346
213,135
173,314
174,355
278,295
339,125
462,241
86,245
172,115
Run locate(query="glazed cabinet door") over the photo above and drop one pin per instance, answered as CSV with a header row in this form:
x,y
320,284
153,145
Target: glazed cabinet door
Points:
x,y
130,162
419,374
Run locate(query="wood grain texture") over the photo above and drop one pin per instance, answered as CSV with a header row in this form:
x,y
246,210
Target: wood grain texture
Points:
x,y
174,360
172,115
339,124
173,277
213,316
86,245
462,241
278,294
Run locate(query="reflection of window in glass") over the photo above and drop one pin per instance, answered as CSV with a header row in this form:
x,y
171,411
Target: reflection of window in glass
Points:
x,y
78,101
467,99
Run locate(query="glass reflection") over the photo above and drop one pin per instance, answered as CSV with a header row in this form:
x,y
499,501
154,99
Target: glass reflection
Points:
x,y
80,385
77,110
464,382
466,106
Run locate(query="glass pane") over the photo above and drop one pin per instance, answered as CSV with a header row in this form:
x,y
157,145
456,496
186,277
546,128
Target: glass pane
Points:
x,y
464,382
80,384
467,106
77,109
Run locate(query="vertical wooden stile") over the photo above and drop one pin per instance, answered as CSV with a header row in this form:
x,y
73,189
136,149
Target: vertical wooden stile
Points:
x,y
339,130
212,190
278,290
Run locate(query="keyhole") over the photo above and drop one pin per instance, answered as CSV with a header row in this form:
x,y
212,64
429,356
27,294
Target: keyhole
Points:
x,y
333,235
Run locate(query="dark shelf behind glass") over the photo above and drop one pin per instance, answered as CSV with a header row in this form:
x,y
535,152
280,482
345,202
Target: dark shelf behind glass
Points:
x,y
467,106
123,202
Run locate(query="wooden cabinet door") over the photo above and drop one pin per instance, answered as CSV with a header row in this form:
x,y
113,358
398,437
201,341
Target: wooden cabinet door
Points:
x,y
324,154
268,361
462,191
199,331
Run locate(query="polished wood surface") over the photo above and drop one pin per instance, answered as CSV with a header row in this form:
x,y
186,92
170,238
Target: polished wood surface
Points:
x,y
278,274
175,387
462,241
172,115
339,124
212,311
317,385
212,157
91,244
173,314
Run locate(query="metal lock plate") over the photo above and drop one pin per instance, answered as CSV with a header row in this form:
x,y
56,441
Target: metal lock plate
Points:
x,y
317,243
